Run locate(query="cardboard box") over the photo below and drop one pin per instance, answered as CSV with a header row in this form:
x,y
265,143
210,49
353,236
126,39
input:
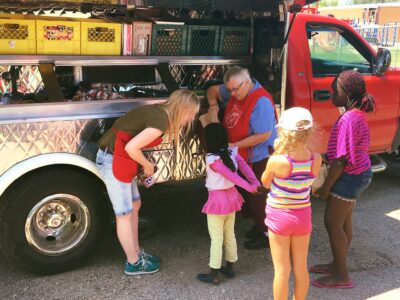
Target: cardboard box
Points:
x,y
141,41
127,39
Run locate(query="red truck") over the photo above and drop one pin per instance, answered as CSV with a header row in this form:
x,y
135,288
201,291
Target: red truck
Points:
x,y
53,203
321,47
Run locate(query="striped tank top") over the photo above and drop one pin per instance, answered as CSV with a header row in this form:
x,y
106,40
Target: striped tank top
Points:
x,y
294,190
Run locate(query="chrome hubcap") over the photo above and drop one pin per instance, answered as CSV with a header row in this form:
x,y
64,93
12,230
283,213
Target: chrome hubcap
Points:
x,y
57,224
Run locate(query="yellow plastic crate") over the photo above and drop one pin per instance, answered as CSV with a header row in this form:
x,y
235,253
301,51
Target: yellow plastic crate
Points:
x,y
100,38
58,37
17,36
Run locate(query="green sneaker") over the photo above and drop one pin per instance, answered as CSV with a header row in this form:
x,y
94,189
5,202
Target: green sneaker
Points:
x,y
142,266
153,258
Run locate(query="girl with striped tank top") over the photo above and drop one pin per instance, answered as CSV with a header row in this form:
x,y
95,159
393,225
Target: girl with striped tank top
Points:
x,y
289,175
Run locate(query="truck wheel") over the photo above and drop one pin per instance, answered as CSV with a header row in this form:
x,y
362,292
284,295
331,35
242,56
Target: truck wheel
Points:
x,y
50,222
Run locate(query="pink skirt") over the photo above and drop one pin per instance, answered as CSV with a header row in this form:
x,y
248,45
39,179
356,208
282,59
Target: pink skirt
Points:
x,y
223,202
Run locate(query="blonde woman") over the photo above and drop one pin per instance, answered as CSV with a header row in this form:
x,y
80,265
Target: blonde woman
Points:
x,y
289,174
120,153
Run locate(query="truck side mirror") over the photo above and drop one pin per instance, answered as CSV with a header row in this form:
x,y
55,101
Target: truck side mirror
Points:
x,y
383,59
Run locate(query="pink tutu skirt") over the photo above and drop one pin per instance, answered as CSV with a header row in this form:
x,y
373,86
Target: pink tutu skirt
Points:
x,y
223,202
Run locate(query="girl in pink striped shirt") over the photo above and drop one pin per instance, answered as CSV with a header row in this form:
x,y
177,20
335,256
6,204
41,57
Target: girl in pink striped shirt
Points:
x,y
349,174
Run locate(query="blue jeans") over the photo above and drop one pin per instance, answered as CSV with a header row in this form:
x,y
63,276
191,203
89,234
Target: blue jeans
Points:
x,y
120,193
349,187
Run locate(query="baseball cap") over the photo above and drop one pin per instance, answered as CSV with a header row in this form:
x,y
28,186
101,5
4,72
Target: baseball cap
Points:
x,y
296,118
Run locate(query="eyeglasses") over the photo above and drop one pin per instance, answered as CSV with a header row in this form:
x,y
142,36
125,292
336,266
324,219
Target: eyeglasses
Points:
x,y
232,91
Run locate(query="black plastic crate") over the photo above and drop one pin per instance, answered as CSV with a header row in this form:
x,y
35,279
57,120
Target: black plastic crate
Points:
x,y
203,40
234,41
168,40
267,38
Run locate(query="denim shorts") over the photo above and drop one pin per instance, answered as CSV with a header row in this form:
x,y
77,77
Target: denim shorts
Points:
x,y
349,187
120,193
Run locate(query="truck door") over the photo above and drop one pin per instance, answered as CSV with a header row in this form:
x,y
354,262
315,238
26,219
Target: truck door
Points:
x,y
333,48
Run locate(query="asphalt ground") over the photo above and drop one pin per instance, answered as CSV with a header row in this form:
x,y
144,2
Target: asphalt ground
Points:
x,y
183,243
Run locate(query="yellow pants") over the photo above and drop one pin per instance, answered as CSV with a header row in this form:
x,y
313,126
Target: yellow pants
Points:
x,y
222,233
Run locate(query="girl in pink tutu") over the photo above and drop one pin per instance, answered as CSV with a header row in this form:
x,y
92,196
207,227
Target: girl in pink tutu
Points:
x,y
222,164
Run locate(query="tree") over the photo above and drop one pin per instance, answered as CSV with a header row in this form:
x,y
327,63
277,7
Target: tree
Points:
x,y
328,3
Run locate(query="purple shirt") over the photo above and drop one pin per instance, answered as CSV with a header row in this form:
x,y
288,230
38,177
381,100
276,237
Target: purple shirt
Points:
x,y
350,138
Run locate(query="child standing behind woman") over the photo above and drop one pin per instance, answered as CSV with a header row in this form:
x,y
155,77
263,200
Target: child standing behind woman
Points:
x,y
289,175
224,200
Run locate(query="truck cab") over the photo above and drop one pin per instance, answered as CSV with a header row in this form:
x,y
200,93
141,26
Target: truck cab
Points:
x,y
319,48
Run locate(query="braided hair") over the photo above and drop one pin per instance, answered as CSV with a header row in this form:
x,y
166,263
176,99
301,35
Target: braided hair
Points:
x,y
216,138
354,87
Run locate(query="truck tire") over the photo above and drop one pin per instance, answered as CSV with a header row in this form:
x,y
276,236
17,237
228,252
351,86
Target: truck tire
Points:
x,y
50,221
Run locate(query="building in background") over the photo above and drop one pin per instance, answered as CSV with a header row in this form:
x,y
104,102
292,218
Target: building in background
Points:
x,y
379,14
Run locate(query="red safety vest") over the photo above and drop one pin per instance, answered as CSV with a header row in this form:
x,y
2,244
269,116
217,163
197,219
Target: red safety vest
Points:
x,y
123,166
237,117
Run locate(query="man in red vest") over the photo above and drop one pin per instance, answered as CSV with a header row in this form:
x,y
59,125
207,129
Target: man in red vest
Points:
x,y
250,119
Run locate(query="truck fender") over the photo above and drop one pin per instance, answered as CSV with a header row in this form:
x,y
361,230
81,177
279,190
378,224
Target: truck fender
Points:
x,y
44,160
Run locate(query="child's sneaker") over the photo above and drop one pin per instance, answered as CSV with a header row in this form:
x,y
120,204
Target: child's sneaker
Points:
x,y
142,266
153,258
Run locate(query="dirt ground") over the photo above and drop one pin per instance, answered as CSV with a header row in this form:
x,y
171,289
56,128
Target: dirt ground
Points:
x,y
183,243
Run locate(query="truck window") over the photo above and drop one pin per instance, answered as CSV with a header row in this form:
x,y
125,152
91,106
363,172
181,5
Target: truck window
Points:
x,y
331,52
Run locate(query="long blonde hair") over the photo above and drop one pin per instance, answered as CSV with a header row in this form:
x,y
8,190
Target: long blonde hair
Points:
x,y
288,140
178,105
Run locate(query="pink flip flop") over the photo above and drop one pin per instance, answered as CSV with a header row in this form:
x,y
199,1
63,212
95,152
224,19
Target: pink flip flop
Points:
x,y
315,270
319,284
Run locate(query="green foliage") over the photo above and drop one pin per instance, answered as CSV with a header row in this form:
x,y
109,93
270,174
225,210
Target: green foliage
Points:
x,y
370,1
328,3
323,3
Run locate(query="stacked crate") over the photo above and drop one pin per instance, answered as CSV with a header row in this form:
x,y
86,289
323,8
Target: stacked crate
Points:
x,y
234,41
17,36
58,37
169,39
203,40
24,34
100,38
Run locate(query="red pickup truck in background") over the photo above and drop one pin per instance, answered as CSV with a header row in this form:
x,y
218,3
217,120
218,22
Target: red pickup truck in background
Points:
x,y
319,48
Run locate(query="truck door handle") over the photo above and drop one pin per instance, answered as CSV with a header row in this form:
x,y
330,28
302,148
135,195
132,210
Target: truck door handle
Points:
x,y
322,95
